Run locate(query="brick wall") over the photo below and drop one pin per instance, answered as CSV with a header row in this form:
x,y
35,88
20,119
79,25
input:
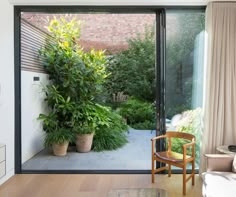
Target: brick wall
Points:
x,y
102,31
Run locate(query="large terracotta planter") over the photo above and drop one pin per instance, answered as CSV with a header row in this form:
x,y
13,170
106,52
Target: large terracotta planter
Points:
x,y
84,142
60,149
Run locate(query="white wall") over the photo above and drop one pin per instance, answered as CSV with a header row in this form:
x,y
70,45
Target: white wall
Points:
x,y
32,104
7,85
7,59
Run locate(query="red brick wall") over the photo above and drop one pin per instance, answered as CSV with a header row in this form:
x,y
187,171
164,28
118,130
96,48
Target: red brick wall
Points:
x,y
102,31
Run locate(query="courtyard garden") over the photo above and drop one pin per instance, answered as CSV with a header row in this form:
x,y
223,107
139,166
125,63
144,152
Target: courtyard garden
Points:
x,y
102,95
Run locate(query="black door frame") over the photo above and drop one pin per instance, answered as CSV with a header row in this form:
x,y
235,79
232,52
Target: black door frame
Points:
x,y
160,72
160,80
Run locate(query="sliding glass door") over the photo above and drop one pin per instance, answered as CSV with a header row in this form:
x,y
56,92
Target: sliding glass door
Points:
x,y
184,73
154,74
120,56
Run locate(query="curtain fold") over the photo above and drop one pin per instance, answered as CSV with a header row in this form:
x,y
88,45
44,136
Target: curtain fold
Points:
x,y
220,85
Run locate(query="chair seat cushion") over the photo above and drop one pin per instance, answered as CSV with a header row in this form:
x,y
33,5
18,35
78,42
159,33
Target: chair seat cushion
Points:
x,y
219,184
170,156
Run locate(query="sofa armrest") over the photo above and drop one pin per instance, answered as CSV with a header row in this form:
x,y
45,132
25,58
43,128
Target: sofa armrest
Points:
x,y
219,162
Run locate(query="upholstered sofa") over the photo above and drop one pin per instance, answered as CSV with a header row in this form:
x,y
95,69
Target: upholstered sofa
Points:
x,y
220,178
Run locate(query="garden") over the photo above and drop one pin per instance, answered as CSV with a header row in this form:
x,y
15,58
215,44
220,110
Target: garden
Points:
x,y
96,97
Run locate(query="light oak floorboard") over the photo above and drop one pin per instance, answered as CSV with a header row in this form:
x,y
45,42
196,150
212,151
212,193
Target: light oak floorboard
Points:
x,y
92,185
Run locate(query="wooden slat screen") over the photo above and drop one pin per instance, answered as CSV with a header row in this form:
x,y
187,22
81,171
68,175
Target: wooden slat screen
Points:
x,y
32,39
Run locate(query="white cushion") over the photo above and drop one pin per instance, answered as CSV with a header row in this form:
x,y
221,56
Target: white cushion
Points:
x,y
234,165
219,184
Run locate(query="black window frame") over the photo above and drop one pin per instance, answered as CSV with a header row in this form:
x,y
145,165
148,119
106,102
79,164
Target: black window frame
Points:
x,y
160,73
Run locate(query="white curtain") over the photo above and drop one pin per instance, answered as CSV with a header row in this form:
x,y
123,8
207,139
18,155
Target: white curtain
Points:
x,y
220,89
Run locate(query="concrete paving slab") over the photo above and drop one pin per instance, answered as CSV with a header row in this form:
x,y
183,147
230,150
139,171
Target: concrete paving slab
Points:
x,y
135,155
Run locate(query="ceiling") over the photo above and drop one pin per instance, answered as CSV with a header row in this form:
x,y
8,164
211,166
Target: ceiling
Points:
x,y
115,2
110,2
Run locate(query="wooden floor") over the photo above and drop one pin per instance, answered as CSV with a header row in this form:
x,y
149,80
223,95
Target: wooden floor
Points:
x,y
98,185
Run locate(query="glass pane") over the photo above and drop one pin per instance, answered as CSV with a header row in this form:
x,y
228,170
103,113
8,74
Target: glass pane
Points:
x,y
184,73
120,105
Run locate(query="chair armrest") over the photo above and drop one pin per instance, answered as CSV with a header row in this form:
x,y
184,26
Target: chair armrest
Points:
x,y
153,141
158,137
219,162
185,146
189,144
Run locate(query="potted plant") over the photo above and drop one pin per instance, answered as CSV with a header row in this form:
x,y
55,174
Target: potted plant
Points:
x,y
56,137
59,140
84,137
84,124
76,79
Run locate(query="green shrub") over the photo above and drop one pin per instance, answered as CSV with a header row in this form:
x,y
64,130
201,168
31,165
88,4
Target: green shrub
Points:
x,y
139,114
110,130
146,125
191,122
133,70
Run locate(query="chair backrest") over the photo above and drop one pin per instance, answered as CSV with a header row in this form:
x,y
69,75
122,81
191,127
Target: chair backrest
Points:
x,y
174,134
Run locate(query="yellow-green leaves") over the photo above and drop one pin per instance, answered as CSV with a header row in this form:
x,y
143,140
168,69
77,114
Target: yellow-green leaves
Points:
x,y
65,30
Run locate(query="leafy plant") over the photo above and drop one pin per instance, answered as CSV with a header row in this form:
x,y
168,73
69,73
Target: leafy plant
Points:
x,y
59,136
110,131
55,134
87,117
76,73
75,80
139,114
133,70
50,122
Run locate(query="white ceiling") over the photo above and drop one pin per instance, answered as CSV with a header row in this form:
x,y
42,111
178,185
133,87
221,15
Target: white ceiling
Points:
x,y
108,2
112,2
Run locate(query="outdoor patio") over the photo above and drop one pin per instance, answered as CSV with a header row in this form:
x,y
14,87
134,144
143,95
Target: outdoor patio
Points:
x,y
135,155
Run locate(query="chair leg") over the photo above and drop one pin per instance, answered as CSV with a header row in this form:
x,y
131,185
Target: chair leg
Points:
x,y
153,167
184,180
193,172
169,170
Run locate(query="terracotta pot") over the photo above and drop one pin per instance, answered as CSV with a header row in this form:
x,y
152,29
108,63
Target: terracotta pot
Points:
x,y
60,149
84,142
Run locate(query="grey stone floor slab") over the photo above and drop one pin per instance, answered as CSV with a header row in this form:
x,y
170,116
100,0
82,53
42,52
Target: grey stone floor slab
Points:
x,y
135,155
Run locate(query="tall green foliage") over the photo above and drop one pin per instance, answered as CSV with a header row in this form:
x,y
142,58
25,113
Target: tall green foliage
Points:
x,y
75,76
76,79
75,73
133,70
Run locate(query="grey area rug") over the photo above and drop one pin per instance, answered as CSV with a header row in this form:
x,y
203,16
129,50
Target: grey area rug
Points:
x,y
138,192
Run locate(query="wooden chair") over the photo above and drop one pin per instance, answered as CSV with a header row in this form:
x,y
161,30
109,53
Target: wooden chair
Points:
x,y
173,158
